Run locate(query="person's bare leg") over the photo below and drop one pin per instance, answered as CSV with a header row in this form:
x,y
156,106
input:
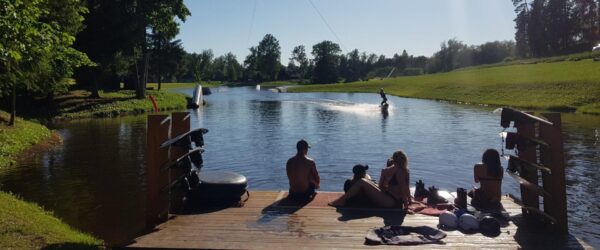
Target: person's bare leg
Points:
x,y
353,191
370,189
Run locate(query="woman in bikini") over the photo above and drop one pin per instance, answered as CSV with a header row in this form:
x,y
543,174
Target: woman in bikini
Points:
x,y
393,189
488,173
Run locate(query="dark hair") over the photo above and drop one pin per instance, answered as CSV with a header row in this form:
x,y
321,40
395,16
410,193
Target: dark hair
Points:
x,y
491,158
301,146
359,171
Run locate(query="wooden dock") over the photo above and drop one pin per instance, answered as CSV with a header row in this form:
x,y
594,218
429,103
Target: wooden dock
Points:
x,y
262,224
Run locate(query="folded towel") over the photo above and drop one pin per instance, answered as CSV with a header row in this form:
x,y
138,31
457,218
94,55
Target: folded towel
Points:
x,y
402,235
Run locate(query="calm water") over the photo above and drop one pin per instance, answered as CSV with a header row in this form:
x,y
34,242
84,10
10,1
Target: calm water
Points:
x,y
95,179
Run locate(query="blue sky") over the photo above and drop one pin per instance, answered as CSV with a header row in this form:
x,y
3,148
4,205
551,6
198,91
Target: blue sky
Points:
x,y
375,26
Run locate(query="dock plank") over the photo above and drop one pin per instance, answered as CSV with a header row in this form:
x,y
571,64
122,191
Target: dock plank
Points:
x,y
261,225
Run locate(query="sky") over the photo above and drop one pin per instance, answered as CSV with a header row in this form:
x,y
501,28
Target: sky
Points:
x,y
374,26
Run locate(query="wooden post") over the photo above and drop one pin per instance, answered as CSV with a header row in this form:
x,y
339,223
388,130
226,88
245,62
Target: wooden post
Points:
x,y
180,125
529,198
554,183
156,201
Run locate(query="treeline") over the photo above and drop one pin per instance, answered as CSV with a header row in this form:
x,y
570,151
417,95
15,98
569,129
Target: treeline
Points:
x,y
556,27
263,63
454,54
327,63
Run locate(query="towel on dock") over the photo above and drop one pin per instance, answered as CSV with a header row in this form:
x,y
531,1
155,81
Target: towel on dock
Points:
x,y
402,235
430,209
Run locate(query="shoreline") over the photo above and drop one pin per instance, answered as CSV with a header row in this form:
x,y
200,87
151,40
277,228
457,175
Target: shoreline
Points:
x,y
566,86
25,224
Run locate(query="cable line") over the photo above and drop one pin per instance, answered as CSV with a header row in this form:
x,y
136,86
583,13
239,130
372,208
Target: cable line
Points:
x,y
251,22
327,24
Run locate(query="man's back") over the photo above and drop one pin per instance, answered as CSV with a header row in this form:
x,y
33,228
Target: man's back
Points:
x,y
302,173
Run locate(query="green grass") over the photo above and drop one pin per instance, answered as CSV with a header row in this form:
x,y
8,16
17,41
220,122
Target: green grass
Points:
x,y
183,85
112,104
563,85
24,225
15,139
570,57
277,84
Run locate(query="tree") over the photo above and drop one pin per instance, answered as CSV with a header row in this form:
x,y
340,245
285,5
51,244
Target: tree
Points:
x,y
107,39
121,34
164,29
586,22
268,58
453,54
168,60
554,27
493,52
326,57
538,44
354,66
201,65
251,66
559,26
521,22
35,49
233,67
155,19
299,57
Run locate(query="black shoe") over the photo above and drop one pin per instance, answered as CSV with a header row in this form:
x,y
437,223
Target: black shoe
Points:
x,y
434,197
420,190
461,198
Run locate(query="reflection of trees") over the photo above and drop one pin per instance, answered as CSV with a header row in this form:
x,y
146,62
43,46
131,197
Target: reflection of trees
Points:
x,y
326,118
582,146
582,153
92,181
268,112
266,117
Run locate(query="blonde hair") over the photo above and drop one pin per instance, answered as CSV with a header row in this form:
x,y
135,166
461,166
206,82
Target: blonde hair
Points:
x,y
400,159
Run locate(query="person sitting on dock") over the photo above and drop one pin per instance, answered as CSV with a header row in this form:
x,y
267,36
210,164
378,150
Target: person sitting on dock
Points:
x,y
360,172
488,173
302,173
361,200
383,96
392,191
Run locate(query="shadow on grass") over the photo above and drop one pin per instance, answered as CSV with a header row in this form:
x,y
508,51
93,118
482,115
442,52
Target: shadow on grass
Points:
x,y
30,107
71,245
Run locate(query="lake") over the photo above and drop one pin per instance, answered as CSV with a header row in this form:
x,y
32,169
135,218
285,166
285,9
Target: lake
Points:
x,y
95,179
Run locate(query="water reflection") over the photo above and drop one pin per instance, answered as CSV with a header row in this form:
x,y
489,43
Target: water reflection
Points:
x,y
94,180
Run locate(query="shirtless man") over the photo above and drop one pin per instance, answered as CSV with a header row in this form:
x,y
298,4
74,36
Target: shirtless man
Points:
x,y
302,173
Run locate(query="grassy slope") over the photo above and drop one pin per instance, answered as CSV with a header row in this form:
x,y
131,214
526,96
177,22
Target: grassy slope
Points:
x,y
24,225
15,139
116,103
567,85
